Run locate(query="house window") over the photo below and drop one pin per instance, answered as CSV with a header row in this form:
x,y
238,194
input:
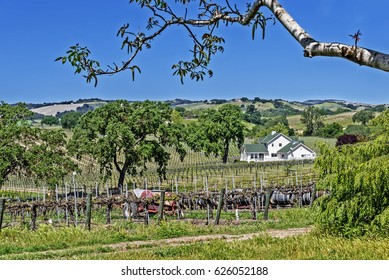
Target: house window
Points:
x,y
273,155
280,145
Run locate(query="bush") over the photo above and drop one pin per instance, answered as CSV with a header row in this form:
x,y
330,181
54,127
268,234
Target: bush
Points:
x,y
358,177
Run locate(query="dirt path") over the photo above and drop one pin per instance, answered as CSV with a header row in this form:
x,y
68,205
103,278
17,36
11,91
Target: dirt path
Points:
x,y
203,238
124,246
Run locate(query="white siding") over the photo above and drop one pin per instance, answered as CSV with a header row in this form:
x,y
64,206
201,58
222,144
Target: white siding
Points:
x,y
276,145
301,153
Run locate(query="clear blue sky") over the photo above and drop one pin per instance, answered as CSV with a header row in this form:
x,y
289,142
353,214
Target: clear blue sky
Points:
x,y
34,33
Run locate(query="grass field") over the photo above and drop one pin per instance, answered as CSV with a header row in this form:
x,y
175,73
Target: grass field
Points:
x,y
79,243
188,240
344,119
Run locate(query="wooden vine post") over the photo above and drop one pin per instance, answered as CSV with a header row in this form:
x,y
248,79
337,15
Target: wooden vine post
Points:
x,y
313,195
33,216
88,211
160,206
220,205
267,203
109,209
2,208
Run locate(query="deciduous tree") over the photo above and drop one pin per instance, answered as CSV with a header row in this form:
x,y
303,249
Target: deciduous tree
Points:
x,y
358,177
312,119
125,137
30,151
363,116
217,130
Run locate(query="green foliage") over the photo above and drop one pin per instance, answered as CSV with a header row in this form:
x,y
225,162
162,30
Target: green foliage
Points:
x,y
15,136
50,120
332,130
28,150
362,130
126,136
358,178
363,116
70,120
216,130
312,119
252,115
49,161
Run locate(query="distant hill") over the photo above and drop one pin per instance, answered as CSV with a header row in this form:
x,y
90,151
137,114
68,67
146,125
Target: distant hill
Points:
x,y
267,107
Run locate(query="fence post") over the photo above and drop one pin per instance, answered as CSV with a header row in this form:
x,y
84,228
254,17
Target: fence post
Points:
x,y
33,216
160,206
267,202
88,211
2,207
219,205
313,195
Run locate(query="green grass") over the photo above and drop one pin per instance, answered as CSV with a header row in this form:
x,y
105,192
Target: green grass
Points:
x,y
77,243
29,244
313,142
330,106
307,247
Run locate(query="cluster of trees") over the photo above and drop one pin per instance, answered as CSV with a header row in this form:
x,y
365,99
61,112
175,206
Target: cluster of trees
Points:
x,y
67,120
312,117
121,136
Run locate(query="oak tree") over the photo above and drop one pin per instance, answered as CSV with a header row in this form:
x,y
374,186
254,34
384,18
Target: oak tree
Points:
x,y
363,116
25,150
312,119
124,137
216,130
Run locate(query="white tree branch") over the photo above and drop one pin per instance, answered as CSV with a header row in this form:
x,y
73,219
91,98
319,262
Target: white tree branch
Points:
x,y
313,48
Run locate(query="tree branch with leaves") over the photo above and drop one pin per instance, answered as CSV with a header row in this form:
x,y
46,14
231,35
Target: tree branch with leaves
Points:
x,y
201,19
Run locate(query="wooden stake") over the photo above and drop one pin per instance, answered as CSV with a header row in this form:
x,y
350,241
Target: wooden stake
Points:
x,y
2,208
267,203
161,205
219,206
88,211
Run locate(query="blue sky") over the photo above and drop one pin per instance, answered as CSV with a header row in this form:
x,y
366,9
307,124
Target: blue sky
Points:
x,y
34,33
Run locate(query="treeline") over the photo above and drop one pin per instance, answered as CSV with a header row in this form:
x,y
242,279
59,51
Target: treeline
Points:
x,y
31,106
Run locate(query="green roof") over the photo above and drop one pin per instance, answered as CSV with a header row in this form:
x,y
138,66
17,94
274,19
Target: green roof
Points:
x,y
269,137
289,147
255,148
292,146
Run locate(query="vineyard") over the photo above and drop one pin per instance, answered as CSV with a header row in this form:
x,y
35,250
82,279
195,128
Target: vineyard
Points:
x,y
194,188
140,205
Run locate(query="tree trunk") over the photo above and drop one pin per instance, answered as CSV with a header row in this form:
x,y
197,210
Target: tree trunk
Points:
x,y
226,148
121,178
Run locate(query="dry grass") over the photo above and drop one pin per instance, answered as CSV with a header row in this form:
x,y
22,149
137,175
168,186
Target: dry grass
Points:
x,y
54,109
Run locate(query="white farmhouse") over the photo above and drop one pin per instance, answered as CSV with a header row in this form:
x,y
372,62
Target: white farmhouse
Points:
x,y
275,146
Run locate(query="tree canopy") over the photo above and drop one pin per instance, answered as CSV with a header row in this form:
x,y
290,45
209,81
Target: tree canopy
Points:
x,y
312,119
70,120
201,20
28,150
363,116
125,136
216,130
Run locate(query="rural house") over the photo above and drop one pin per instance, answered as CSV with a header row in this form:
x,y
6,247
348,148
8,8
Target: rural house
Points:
x,y
275,146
